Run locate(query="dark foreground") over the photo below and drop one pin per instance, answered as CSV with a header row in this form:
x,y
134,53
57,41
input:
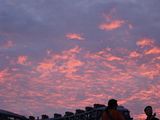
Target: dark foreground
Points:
x,y
90,113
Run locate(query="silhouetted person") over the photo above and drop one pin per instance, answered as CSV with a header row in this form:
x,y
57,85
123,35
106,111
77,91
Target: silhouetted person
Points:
x,y
111,112
31,118
149,112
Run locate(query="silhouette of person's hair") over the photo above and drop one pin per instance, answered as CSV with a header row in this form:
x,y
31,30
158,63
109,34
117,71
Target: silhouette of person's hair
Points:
x,y
112,103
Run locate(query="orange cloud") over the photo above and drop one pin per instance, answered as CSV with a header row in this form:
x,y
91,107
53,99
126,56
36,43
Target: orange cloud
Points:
x,y
74,36
112,25
45,66
22,60
112,58
154,50
145,42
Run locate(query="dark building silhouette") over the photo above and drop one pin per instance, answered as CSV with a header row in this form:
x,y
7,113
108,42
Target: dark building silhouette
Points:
x,y
90,113
57,116
31,118
44,117
6,115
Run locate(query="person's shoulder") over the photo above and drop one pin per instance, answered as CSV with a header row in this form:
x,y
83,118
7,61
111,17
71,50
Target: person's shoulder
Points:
x,y
112,110
115,111
104,113
154,118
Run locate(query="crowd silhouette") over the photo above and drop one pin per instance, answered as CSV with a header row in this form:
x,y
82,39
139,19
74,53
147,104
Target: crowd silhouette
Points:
x,y
98,112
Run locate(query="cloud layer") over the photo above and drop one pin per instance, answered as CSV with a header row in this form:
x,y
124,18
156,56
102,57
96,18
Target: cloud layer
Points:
x,y
72,54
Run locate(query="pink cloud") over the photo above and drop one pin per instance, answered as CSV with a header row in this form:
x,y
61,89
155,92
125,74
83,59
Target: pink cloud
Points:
x,y
45,68
78,78
3,75
140,116
74,36
154,50
149,70
130,26
134,54
145,42
111,25
22,60
112,58
65,63
8,44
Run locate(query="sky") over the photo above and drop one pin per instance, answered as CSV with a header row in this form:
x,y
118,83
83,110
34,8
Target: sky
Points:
x,y
60,55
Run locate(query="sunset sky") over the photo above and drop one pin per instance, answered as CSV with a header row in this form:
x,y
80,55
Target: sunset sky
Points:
x,y
60,55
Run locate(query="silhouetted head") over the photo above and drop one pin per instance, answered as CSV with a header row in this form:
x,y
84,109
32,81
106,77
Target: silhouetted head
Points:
x,y
112,103
148,110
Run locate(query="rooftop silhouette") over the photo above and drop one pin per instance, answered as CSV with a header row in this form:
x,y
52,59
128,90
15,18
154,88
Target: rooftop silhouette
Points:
x,y
90,113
